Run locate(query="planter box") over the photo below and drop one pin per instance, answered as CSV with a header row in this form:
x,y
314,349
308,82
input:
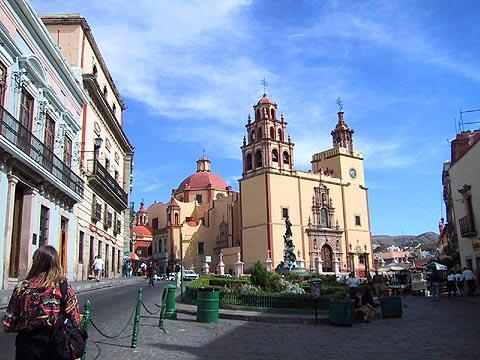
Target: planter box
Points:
x,y
391,306
341,312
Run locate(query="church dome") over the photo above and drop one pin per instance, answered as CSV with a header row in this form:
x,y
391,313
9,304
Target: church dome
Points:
x,y
265,100
203,180
141,230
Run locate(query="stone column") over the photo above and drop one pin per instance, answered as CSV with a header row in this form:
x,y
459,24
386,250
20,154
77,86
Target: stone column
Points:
x,y
238,266
28,212
221,265
12,184
269,262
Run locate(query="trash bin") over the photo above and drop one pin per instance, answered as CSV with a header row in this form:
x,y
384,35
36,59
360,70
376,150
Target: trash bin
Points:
x,y
208,301
170,309
341,312
391,306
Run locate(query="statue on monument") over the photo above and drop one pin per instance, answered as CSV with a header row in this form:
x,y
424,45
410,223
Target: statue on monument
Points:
x,y
289,258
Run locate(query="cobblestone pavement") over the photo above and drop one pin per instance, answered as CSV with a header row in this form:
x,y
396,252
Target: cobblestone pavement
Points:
x,y
428,330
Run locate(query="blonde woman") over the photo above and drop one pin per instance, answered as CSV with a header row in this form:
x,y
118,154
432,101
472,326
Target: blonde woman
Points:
x,y
34,307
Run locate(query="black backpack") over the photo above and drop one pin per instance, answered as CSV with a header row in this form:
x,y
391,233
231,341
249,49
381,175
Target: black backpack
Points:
x,y
67,340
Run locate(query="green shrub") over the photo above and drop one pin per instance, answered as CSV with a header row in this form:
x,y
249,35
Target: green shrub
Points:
x,y
228,282
274,283
259,275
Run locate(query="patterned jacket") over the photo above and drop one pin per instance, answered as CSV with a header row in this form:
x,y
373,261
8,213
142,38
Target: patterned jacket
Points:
x,y
32,307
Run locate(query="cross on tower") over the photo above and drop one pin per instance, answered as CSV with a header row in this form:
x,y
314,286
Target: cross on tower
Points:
x,y
340,104
265,85
203,152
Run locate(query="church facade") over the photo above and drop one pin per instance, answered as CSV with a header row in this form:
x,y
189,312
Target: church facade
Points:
x,y
327,206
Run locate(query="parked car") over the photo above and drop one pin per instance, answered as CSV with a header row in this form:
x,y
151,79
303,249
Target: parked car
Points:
x,y
189,274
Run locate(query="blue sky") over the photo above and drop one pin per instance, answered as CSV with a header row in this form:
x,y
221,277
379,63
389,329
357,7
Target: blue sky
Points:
x,y
190,73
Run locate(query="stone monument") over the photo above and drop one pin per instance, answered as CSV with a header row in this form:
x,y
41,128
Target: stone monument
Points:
x,y
289,262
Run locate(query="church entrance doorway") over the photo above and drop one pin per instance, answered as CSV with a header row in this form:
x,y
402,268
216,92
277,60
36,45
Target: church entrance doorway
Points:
x,y
327,258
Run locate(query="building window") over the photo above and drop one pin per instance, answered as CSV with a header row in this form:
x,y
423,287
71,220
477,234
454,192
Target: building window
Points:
x,y
26,111
44,217
280,135
272,133
274,155
219,196
118,261
107,165
324,218
95,71
286,158
199,199
177,219
114,109
259,134
284,212
357,220
99,250
3,83
113,259
249,162
92,252
258,159
155,223
139,251
105,92
273,113
67,151
80,247
252,136
201,248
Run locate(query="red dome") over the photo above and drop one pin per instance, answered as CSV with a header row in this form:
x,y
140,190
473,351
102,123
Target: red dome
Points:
x,y
265,100
203,180
142,230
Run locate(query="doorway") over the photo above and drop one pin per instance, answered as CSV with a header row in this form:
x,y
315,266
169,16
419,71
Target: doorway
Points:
x,y
16,231
63,243
327,258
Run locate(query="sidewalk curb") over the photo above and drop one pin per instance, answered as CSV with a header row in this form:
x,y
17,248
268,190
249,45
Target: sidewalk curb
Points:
x,y
79,288
279,319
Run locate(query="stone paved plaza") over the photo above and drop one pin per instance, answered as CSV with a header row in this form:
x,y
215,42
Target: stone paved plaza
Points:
x,y
428,330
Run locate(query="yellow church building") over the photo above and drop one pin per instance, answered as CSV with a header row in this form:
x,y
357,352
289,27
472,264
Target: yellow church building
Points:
x,y
327,206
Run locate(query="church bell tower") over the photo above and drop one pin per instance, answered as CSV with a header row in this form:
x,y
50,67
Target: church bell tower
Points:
x,y
266,148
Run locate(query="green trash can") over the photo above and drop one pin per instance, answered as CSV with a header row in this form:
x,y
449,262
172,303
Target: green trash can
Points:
x,y
208,301
170,310
341,312
391,306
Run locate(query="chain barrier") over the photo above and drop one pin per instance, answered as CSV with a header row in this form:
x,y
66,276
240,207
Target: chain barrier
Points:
x,y
151,312
116,335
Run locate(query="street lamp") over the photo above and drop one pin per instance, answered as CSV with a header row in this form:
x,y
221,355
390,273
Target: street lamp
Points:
x,y
365,258
350,255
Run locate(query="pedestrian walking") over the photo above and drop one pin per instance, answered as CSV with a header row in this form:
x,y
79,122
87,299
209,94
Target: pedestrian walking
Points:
x,y
459,282
435,281
151,274
98,267
451,284
377,281
468,278
35,306
352,284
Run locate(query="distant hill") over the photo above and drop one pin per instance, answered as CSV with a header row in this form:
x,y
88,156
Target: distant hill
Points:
x,y
428,240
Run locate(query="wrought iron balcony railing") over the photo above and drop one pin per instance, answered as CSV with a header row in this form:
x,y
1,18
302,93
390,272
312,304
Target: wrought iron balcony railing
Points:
x,y
25,141
467,228
103,182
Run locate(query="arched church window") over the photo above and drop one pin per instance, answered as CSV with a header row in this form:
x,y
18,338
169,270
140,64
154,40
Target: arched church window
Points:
x,y
258,159
324,198
280,135
274,155
272,112
252,136
221,196
176,218
286,158
259,133
249,164
324,218
258,114
272,133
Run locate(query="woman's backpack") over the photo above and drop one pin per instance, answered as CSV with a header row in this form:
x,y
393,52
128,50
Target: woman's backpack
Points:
x,y
67,340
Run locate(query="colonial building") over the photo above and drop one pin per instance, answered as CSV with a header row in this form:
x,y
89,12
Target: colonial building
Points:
x,y
461,193
105,153
327,206
40,121
142,234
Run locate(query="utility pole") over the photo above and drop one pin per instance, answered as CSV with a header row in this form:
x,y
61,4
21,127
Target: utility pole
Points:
x,y
181,267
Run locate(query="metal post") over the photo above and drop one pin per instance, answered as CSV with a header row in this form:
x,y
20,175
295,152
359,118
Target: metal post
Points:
x,y
136,319
84,324
181,267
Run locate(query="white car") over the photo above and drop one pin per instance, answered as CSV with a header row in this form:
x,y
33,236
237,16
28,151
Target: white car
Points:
x,y
189,274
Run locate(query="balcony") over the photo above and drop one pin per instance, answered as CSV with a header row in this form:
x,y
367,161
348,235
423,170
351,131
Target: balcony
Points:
x,y
467,227
104,183
19,136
